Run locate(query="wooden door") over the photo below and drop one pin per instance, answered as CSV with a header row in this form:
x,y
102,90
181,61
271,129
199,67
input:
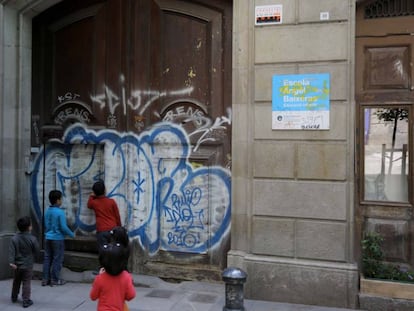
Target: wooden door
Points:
x,y
125,68
385,107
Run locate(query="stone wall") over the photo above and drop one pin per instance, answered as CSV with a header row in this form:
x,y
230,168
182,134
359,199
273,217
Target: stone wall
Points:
x,y
15,99
292,223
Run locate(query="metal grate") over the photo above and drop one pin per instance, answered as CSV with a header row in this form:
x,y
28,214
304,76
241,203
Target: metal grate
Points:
x,y
160,293
203,298
389,8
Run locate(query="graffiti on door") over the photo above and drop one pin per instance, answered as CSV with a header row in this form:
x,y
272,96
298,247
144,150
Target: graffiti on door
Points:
x,y
165,201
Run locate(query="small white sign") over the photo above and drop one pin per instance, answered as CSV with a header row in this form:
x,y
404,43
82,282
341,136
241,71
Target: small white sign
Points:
x,y
324,16
268,14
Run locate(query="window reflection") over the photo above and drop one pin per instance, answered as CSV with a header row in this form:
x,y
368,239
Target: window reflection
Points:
x,y
386,154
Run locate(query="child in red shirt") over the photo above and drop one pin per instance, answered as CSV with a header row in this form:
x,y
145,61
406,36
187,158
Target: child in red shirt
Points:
x,y
106,213
113,285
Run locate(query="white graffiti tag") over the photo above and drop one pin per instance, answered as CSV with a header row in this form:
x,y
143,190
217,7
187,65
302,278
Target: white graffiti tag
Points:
x,y
139,100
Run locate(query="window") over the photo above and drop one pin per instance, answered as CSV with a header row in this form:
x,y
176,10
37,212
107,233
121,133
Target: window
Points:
x,y
386,150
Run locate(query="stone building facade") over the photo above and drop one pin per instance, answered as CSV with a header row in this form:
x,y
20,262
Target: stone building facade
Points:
x,y
292,217
295,228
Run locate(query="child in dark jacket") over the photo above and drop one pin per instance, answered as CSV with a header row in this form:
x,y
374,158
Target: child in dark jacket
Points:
x,y
23,251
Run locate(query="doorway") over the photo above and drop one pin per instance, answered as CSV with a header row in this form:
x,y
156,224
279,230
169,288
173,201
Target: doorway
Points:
x,y
139,94
385,111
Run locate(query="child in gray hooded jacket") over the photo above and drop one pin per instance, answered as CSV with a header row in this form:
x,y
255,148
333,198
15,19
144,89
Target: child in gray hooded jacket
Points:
x,y
23,251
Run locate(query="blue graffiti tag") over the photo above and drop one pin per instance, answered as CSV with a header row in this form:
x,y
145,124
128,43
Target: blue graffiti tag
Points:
x,y
138,184
164,201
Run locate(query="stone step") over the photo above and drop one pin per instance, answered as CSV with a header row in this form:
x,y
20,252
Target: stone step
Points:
x,y
172,272
79,261
182,272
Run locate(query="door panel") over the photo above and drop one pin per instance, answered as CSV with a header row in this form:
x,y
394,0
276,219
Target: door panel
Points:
x,y
385,99
386,69
70,169
150,80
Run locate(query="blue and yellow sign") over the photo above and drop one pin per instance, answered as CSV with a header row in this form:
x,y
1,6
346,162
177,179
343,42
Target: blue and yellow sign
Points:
x,y
300,102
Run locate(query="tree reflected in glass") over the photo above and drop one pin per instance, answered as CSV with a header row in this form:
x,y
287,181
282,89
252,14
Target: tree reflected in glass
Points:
x,y
386,154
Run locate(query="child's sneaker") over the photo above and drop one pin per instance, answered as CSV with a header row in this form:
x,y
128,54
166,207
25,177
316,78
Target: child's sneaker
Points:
x,y
27,303
57,283
45,282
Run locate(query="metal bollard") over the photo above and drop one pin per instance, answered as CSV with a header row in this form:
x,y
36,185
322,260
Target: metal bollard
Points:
x,y
234,279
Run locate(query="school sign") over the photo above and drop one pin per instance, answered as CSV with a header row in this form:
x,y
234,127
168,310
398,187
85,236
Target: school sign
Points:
x,y
300,102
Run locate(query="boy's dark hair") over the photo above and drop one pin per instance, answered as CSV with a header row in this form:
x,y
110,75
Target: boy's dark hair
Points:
x,y
23,223
54,195
120,235
113,258
98,188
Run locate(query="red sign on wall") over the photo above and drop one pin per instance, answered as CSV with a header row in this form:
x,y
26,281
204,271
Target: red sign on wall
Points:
x,y
268,14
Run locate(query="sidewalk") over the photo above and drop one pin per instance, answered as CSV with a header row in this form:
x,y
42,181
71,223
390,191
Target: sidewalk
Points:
x,y
153,294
